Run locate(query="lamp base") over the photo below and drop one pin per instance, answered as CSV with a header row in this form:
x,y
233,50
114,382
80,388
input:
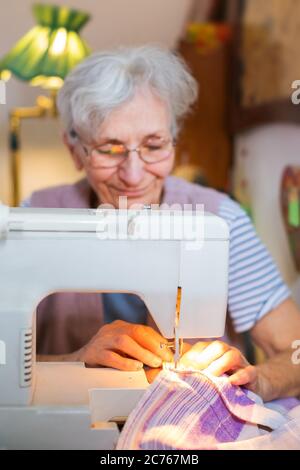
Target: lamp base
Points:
x,y
45,107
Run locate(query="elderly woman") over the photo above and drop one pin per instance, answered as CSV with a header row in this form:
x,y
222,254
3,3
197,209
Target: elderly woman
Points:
x,y
121,112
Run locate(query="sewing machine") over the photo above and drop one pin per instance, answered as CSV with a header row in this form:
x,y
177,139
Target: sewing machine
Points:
x,y
177,263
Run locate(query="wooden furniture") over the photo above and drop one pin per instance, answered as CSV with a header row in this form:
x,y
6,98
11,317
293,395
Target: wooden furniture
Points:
x,y
204,140
264,62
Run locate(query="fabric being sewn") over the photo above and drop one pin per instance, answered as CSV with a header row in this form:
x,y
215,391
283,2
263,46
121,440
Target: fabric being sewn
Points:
x,y
193,410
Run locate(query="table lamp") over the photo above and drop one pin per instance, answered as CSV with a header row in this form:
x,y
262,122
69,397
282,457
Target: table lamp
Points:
x,y
43,57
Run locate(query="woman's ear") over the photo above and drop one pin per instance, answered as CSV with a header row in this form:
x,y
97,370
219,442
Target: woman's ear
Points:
x,y
72,149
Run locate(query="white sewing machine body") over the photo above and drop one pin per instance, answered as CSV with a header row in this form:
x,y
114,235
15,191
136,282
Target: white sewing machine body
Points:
x,y
42,251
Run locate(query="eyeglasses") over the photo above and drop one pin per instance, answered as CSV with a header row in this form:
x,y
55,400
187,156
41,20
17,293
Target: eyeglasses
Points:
x,y
110,155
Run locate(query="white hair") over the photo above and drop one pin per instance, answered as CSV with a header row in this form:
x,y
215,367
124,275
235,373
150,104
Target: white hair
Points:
x,y
105,80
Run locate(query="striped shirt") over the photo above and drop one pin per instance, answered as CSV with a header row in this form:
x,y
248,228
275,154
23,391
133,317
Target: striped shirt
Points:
x,y
255,284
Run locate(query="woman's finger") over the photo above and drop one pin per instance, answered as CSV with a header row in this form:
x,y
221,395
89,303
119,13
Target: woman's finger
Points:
x,y
113,359
243,376
151,374
129,346
231,360
200,357
151,340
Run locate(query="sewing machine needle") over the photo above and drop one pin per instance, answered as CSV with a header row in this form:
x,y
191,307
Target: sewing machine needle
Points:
x,y
178,341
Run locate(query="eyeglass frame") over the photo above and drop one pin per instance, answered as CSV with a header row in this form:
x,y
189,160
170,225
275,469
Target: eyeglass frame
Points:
x,y
74,135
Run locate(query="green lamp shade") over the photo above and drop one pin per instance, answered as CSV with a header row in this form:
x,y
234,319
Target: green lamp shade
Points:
x,y
50,49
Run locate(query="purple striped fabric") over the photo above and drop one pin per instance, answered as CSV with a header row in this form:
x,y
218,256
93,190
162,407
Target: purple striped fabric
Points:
x,y
193,410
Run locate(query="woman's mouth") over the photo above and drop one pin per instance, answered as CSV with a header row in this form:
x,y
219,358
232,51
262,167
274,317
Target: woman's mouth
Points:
x,y
131,192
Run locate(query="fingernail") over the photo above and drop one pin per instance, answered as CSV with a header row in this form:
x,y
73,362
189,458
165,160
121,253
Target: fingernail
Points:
x,y
139,365
157,362
169,356
236,379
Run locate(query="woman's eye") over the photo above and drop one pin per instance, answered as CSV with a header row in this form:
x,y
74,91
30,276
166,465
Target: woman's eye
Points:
x,y
116,149
112,149
105,149
154,144
153,147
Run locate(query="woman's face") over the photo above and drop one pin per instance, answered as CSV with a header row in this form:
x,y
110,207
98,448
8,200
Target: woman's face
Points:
x,y
142,118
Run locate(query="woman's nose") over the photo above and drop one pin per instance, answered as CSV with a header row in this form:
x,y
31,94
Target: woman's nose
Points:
x,y
131,171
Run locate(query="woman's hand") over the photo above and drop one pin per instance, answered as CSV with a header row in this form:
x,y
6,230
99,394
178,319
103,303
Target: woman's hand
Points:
x,y
218,358
125,346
